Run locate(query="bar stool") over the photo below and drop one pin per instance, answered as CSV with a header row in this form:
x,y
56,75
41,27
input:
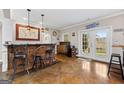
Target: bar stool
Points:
x,y
115,62
39,57
20,53
51,54
37,62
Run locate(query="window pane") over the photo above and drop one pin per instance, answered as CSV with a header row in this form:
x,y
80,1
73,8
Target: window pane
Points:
x,y
85,43
101,43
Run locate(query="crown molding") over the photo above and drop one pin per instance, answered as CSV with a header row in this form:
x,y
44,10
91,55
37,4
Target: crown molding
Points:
x,y
92,20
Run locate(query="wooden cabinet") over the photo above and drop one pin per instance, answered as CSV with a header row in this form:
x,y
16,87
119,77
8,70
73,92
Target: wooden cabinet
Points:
x,y
63,48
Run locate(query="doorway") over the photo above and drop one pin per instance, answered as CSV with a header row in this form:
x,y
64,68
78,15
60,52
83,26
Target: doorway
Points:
x,y
96,43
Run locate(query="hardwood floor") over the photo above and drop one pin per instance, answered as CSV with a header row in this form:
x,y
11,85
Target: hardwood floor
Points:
x,y
71,71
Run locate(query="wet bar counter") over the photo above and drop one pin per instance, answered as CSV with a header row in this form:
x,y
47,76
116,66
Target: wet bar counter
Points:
x,y
31,51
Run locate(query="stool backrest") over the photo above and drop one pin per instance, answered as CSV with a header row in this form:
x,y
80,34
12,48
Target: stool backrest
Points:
x,y
40,51
20,49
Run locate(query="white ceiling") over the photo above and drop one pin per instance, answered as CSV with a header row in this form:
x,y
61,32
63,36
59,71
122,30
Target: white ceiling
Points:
x,y
58,18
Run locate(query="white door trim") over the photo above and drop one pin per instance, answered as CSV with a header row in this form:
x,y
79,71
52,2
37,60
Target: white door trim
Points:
x,y
93,54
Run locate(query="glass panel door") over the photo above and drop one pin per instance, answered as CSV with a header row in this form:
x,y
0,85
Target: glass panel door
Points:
x,y
85,44
96,43
101,43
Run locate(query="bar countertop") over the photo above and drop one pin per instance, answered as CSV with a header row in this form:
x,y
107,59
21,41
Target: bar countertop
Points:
x,y
31,52
29,44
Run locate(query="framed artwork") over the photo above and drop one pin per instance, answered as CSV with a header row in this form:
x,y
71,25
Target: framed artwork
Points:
x,y
73,34
66,38
22,33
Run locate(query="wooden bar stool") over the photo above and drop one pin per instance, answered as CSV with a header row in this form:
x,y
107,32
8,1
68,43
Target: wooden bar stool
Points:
x,y
115,62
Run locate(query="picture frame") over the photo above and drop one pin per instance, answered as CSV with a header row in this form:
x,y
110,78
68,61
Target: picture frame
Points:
x,y
22,33
73,34
54,33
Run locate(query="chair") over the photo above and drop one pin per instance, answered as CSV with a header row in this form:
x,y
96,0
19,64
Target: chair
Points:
x,y
20,53
37,62
116,63
44,56
50,52
39,57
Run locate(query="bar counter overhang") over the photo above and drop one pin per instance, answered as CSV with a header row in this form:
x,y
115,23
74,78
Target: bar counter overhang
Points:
x,y
31,51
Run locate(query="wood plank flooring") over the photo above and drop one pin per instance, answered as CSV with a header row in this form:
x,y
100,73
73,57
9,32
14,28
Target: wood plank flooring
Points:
x,y
71,71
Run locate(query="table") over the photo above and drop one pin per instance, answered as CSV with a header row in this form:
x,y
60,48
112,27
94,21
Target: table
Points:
x,y
120,46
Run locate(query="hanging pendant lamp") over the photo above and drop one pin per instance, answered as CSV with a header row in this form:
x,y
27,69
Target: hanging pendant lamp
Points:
x,y
28,27
42,28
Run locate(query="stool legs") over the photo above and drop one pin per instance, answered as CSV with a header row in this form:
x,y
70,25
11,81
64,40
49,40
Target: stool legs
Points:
x,y
121,68
14,69
37,62
120,65
26,66
109,65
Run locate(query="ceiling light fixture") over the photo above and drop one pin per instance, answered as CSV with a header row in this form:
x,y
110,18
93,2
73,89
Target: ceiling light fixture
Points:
x,y
42,28
28,27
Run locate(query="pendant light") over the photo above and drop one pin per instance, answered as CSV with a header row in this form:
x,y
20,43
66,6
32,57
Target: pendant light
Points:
x,y
28,27
42,28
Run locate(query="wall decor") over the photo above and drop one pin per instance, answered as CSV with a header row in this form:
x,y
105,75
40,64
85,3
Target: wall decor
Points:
x,y
54,33
23,33
73,34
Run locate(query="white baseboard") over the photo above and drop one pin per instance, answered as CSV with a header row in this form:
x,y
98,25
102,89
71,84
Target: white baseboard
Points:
x,y
80,56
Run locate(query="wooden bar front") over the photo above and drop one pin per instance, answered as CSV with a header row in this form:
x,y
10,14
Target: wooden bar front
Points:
x,y
31,52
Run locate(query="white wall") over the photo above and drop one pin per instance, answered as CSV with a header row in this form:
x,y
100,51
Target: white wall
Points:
x,y
115,22
9,34
42,39
0,41
7,28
